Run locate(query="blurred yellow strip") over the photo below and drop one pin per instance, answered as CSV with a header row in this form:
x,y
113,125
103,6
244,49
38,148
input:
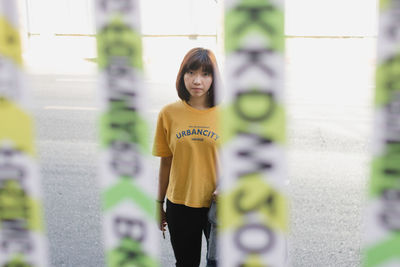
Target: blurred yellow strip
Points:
x,y
10,41
16,126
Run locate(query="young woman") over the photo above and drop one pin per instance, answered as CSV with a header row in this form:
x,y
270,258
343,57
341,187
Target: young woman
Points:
x,y
186,139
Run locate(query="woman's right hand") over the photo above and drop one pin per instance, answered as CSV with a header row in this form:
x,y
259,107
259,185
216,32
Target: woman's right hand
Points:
x,y
162,217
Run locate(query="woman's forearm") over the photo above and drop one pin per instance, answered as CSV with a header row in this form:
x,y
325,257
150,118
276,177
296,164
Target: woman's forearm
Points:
x,y
165,168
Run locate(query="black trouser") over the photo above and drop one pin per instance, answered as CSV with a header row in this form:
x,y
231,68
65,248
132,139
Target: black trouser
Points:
x,y
186,226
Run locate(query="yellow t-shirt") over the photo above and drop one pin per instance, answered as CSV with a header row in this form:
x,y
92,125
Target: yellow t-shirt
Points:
x,y
190,136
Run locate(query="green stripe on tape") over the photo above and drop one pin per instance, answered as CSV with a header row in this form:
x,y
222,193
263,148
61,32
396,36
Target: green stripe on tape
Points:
x,y
117,39
272,127
381,178
15,205
387,80
252,194
18,261
254,261
385,4
257,17
125,189
124,125
383,252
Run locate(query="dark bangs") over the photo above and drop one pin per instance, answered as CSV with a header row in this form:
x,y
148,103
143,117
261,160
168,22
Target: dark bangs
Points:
x,y
200,60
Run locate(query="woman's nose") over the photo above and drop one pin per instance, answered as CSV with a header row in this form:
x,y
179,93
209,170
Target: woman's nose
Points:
x,y
197,79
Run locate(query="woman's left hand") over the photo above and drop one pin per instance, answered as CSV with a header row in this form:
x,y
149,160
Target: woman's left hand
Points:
x,y
215,195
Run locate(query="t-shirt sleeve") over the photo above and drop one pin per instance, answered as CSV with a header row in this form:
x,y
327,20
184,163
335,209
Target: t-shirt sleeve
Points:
x,y
161,147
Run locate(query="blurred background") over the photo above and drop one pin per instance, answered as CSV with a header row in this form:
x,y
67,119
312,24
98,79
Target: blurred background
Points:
x,y
330,63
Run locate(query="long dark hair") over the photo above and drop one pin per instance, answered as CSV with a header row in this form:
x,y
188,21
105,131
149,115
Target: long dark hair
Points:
x,y
195,59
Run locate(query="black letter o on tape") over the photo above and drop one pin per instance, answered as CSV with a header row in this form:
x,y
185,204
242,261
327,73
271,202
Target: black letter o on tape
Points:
x,y
255,250
263,116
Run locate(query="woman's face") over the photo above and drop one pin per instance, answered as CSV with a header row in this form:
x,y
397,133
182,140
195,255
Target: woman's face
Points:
x,y
197,82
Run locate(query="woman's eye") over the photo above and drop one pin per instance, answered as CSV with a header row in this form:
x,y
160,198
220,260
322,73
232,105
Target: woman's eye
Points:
x,y
206,74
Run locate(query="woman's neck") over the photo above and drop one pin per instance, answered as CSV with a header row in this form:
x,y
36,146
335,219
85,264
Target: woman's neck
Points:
x,y
198,103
